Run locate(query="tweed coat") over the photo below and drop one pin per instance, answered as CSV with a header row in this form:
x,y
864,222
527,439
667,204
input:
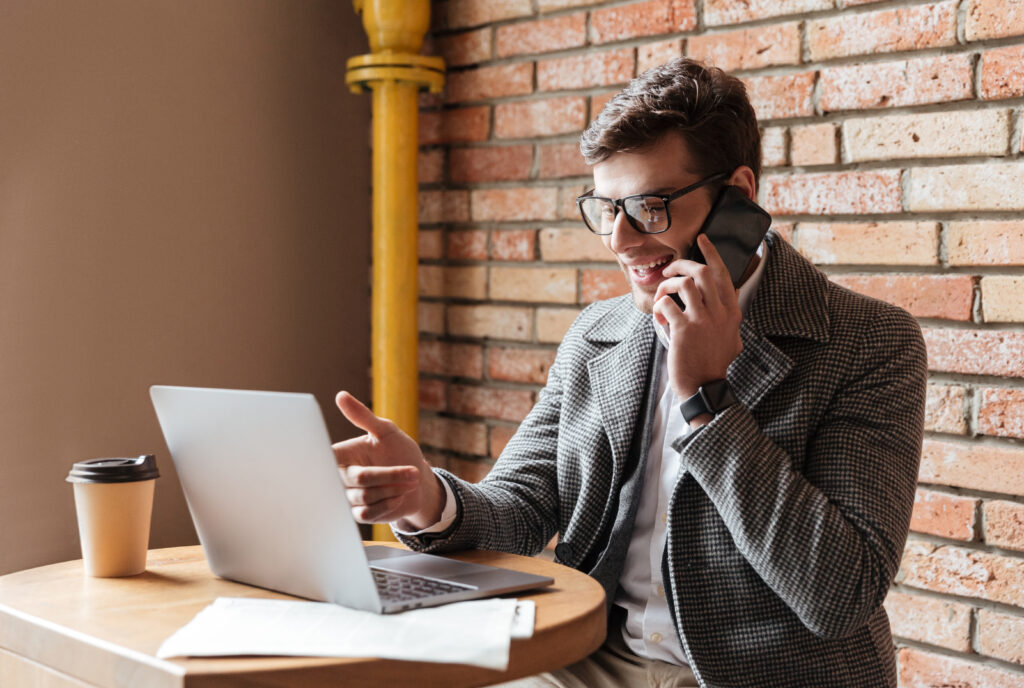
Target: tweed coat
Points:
x,y
787,523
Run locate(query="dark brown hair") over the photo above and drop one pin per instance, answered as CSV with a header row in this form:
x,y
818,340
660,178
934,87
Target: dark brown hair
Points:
x,y
707,106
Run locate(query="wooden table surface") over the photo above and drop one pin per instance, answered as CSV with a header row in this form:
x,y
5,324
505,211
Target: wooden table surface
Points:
x,y
62,629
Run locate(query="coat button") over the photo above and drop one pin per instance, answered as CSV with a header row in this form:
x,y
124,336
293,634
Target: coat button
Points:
x,y
563,551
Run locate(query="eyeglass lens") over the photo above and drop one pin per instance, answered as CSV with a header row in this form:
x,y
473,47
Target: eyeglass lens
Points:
x,y
646,213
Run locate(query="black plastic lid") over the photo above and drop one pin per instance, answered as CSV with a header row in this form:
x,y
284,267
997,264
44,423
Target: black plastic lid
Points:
x,y
114,470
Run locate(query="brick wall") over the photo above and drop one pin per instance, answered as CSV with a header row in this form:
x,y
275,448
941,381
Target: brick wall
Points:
x,y
893,160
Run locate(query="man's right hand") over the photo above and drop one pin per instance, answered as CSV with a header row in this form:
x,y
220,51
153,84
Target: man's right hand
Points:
x,y
385,475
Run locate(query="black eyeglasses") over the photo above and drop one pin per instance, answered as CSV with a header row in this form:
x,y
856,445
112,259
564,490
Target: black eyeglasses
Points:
x,y
647,213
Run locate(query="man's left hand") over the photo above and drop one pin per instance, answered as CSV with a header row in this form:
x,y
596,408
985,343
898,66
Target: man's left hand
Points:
x,y
705,338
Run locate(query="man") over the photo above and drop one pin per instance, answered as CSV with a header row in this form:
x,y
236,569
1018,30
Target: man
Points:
x,y
748,544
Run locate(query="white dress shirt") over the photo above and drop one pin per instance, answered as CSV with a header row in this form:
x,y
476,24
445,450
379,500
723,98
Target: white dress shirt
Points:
x,y
648,629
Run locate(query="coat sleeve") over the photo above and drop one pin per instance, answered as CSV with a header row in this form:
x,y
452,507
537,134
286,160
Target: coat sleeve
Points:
x,y
515,508
827,539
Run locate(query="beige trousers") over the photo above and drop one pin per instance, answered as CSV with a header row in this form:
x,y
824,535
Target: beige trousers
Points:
x,y
612,666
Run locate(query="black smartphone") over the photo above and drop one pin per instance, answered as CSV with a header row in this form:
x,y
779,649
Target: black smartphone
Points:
x,y
736,226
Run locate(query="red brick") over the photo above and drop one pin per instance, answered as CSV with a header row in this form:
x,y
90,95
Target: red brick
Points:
x,y
986,242
490,82
653,54
1001,412
468,245
833,193
869,243
1001,636
435,458
919,669
463,13
906,28
466,48
986,186
428,100
553,323
572,244
509,205
813,144
538,285
1004,524
949,297
780,97
504,404
454,126
784,230
555,5
586,71
601,284
993,19
567,208
473,470
927,135
542,36
763,46
486,321
973,466
430,166
919,81
944,409
433,394
975,352
960,571
430,317
650,18
718,12
533,118
455,435
597,103
491,164
945,515
514,244
1002,73
855,3
1001,298
429,244
561,160
519,365
774,147
449,358
443,206
500,435
929,620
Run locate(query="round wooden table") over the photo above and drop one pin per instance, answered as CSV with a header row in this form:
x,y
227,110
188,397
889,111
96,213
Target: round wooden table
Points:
x,y
59,627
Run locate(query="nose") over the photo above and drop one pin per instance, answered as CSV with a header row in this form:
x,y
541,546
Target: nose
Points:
x,y
623,236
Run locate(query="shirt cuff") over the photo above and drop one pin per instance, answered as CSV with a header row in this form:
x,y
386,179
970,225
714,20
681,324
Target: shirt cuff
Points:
x,y
447,515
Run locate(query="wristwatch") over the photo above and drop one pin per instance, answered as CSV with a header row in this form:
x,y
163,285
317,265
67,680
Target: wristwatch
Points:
x,y
711,397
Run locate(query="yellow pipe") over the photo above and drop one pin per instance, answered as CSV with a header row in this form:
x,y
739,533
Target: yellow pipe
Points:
x,y
395,73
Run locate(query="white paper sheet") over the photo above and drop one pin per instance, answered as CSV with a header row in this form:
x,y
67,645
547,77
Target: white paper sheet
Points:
x,y
476,632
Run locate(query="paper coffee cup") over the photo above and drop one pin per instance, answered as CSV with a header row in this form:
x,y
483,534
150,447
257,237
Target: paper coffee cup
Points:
x,y
114,503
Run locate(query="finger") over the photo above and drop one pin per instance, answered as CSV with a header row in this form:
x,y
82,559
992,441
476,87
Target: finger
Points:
x,y
381,512
378,476
375,495
720,273
360,416
356,451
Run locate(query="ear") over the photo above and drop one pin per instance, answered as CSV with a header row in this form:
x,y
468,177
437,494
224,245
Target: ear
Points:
x,y
743,177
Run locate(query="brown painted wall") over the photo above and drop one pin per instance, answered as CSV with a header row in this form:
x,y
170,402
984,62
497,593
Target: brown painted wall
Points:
x,y
184,199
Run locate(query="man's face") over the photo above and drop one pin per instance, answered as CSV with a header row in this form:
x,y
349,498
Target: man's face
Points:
x,y
659,169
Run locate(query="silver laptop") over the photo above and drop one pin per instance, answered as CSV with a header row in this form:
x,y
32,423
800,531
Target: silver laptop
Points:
x,y
266,496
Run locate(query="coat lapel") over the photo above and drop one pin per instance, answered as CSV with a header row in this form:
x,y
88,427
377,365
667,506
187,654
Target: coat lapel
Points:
x,y
791,301
619,376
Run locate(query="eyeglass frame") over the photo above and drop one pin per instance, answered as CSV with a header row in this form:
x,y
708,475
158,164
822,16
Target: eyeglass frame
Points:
x,y
665,198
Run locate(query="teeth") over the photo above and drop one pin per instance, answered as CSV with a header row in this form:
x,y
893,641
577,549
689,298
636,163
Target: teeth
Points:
x,y
648,266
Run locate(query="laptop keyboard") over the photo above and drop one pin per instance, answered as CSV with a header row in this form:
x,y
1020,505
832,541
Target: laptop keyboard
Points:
x,y
402,586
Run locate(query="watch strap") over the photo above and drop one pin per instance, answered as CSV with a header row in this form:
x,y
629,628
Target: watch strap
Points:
x,y
712,397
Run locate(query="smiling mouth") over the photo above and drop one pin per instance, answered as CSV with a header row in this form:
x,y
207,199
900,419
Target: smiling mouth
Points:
x,y
645,269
